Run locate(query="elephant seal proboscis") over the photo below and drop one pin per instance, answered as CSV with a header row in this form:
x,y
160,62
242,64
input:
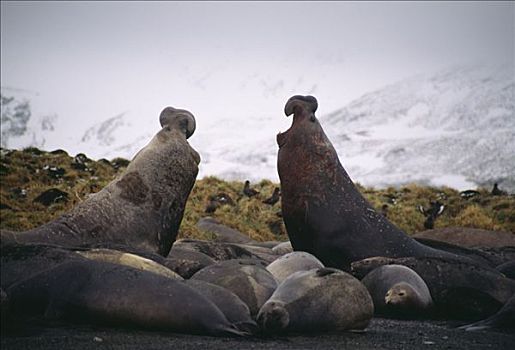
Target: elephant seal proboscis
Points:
x,y
460,290
247,278
143,207
98,292
317,300
398,291
323,211
291,263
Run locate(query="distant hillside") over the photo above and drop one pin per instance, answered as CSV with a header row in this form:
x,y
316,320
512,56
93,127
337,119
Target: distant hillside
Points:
x,y
454,128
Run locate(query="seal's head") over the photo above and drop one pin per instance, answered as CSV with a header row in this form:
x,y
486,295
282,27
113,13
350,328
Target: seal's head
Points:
x,y
273,316
301,106
179,119
303,109
401,295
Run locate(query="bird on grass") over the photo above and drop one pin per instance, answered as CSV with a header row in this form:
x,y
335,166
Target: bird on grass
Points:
x,y
274,198
249,192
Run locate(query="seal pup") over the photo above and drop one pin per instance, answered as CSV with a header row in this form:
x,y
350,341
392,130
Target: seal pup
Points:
x,y
317,300
283,248
398,291
293,262
143,207
323,211
460,290
97,292
234,309
247,278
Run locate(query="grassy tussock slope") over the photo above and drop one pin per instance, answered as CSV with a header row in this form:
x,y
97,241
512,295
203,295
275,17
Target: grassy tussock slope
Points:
x,y
25,174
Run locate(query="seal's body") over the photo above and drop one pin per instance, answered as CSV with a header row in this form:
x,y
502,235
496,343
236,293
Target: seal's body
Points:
x,y
143,207
323,211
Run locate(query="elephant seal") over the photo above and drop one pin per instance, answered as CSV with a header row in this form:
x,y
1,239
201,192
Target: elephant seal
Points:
x,y
283,248
235,310
324,299
469,237
323,211
128,259
398,291
503,319
291,263
247,278
143,207
186,262
222,232
98,292
216,250
459,290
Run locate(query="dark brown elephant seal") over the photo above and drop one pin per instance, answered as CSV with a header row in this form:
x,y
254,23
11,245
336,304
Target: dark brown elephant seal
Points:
x,y
143,207
503,319
323,211
460,290
469,237
103,293
398,291
317,300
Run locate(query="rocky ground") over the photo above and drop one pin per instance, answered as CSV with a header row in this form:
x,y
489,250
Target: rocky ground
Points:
x,y
381,334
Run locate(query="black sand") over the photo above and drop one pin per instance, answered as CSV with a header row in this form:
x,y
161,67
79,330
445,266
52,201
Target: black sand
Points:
x,y
381,334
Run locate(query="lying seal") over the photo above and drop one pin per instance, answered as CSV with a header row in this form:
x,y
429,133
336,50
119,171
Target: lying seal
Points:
x,y
235,310
291,263
128,259
246,278
111,294
186,262
283,248
317,300
398,291
503,319
143,207
323,211
469,237
459,290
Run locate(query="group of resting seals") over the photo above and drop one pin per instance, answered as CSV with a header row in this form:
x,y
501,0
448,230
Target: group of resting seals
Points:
x,y
111,258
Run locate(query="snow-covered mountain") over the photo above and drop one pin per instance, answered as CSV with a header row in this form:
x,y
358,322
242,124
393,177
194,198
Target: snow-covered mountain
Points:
x,y
454,128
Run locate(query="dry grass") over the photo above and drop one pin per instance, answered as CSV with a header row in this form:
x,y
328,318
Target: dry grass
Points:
x,y
27,171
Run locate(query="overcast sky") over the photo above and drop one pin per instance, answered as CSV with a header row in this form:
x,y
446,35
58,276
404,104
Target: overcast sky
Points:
x,y
89,61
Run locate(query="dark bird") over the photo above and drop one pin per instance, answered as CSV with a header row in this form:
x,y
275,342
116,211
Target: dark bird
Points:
x,y
215,201
468,194
497,192
249,192
384,210
435,210
274,198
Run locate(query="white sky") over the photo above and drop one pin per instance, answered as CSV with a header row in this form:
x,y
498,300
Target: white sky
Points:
x,y
226,61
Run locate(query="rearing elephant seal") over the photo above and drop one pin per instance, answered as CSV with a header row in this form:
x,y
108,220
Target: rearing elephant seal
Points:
x,y
323,211
143,207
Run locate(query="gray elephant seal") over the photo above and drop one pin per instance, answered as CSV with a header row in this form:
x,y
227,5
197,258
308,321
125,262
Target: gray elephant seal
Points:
x,y
235,310
323,211
104,293
398,291
291,263
317,300
143,207
247,278
459,290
